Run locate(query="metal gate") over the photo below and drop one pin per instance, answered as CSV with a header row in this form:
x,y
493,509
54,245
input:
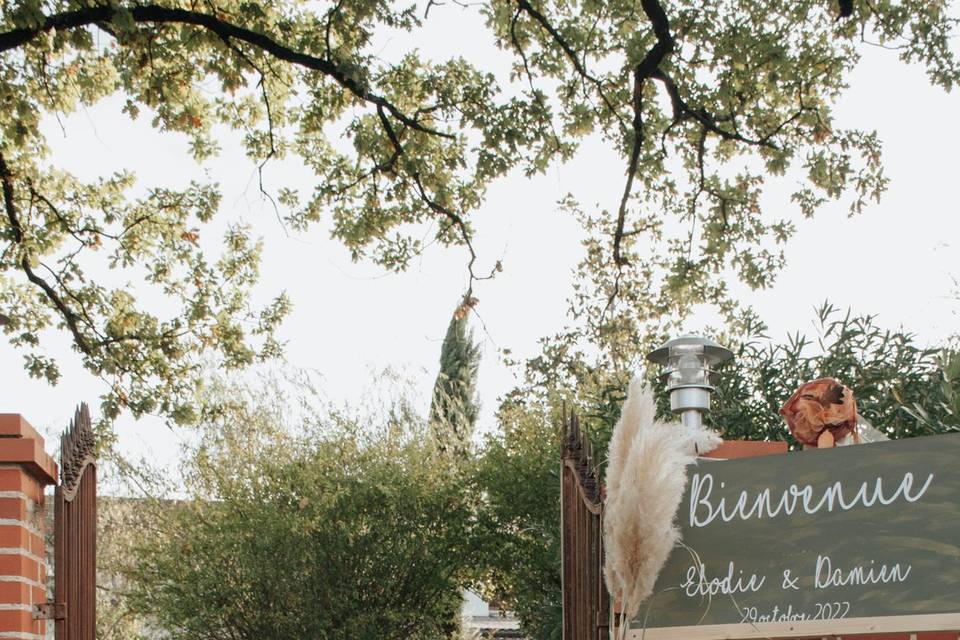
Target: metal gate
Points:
x,y
75,532
586,603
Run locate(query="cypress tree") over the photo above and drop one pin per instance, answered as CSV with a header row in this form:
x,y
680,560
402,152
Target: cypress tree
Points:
x,y
454,407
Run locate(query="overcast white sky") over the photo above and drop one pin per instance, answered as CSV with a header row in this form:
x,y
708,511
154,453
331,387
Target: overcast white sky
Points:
x,y
896,260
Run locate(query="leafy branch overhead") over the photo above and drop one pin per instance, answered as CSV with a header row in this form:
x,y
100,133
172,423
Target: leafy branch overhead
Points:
x,y
706,103
702,102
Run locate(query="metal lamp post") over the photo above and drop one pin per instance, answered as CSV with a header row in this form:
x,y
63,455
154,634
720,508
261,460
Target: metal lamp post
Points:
x,y
688,363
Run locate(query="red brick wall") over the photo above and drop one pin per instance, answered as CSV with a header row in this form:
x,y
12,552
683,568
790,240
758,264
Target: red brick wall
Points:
x,y
25,469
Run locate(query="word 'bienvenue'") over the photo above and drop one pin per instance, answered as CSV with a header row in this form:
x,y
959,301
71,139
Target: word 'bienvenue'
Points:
x,y
704,508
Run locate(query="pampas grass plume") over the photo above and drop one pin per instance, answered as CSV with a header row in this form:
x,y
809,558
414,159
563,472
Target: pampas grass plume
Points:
x,y
646,476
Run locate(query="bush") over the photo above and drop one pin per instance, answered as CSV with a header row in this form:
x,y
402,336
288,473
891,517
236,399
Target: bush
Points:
x,y
519,476
335,531
893,378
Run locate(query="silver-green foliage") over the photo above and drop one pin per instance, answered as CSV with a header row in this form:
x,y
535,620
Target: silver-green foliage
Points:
x,y
939,410
348,527
121,523
890,372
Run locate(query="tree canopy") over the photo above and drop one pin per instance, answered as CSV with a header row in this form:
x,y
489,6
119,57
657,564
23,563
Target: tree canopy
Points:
x,y
703,102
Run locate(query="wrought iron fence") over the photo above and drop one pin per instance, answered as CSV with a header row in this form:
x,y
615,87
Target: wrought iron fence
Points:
x,y
586,603
75,532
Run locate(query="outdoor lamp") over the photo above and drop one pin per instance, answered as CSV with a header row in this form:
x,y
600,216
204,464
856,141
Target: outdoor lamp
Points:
x,y
688,363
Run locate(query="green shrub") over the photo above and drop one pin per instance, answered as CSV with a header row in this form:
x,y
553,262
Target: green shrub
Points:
x,y
342,530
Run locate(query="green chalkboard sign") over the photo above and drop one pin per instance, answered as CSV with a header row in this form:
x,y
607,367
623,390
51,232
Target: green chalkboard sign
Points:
x,y
859,539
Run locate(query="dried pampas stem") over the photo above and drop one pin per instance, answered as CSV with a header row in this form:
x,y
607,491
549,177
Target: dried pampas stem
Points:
x,y
646,475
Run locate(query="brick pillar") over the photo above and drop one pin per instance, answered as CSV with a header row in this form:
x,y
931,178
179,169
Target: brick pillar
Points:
x,y
25,469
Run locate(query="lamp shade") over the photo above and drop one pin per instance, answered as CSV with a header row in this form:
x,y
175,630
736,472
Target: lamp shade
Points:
x,y
688,363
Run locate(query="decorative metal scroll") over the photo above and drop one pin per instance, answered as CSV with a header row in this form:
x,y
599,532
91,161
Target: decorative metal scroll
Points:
x,y
586,603
75,531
